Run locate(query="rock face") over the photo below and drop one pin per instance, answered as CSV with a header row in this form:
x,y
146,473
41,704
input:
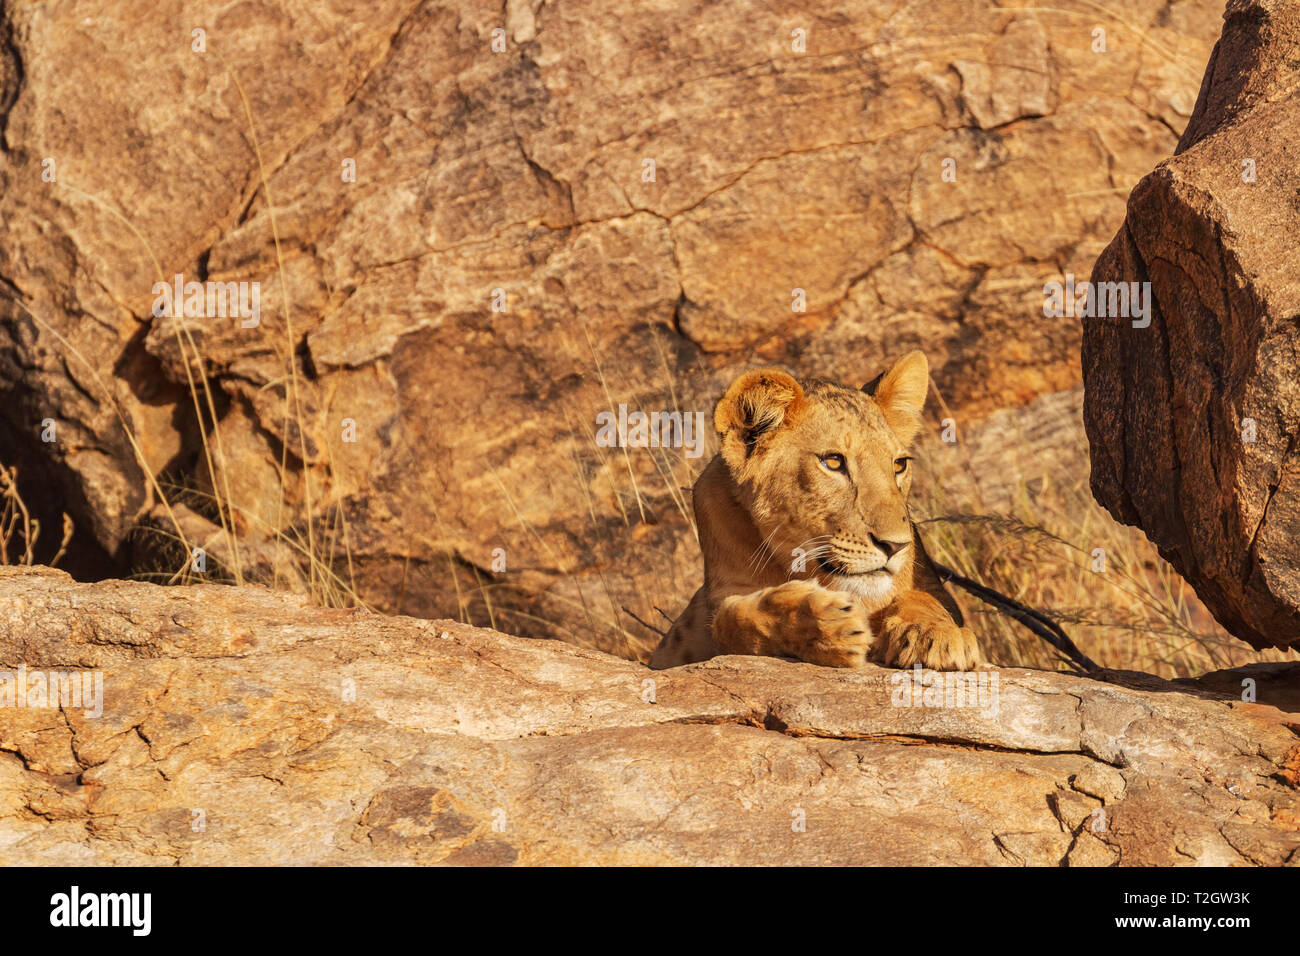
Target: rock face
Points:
x,y
241,725
1193,420
643,199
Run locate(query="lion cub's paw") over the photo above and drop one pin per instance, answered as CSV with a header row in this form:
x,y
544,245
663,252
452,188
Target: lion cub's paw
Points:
x,y
819,625
938,645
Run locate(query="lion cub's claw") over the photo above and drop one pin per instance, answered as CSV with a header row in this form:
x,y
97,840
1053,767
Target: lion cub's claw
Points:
x,y
939,646
819,625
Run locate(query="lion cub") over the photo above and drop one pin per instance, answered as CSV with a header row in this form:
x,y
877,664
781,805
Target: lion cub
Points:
x,y
809,552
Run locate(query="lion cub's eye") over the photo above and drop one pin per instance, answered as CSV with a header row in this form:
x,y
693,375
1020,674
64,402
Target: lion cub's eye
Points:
x,y
900,464
833,461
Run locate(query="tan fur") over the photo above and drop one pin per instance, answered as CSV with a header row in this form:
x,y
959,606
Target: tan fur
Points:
x,y
805,559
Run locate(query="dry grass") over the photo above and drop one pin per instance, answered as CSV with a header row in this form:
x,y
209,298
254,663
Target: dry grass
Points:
x,y
626,505
313,542
1057,550
19,531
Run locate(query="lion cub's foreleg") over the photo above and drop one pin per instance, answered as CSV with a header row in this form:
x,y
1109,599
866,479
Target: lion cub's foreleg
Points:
x,y
690,639
798,619
917,629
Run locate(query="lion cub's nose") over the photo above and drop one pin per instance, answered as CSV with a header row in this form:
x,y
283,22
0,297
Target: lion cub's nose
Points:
x,y
890,548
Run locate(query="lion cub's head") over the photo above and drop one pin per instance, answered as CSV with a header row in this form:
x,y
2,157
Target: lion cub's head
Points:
x,y
825,470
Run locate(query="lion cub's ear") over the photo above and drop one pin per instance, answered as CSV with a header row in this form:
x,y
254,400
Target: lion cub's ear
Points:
x,y
900,394
755,404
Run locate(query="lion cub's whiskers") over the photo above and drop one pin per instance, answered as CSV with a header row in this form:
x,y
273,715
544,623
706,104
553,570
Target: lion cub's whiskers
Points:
x,y
814,551
756,559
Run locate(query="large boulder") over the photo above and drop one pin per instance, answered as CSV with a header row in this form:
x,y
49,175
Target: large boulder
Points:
x,y
641,196
1193,420
244,726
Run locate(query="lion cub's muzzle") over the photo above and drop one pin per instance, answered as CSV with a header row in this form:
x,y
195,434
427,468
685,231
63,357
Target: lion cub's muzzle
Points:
x,y
849,555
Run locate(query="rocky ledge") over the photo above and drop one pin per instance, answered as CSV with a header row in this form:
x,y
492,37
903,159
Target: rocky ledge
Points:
x,y
240,725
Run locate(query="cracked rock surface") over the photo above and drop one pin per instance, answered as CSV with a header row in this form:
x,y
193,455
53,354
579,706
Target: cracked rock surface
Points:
x,y
1193,421
526,171
244,726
